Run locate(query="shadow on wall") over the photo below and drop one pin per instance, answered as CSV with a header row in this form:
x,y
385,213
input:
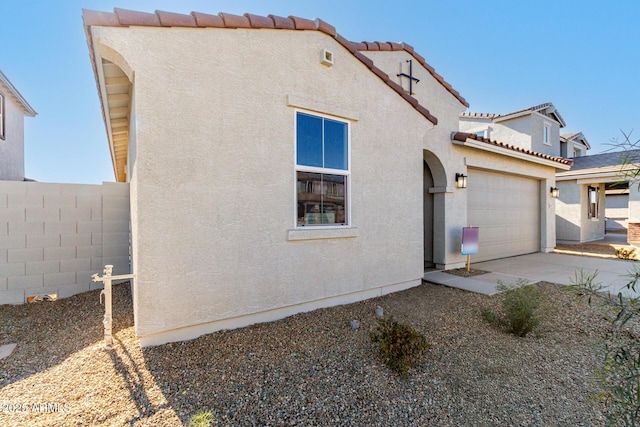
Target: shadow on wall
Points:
x,y
566,230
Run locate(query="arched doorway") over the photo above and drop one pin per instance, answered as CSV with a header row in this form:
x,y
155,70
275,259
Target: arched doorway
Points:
x,y
427,199
433,191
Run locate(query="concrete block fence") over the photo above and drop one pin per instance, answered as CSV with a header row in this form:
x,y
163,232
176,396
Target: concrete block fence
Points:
x,y
53,237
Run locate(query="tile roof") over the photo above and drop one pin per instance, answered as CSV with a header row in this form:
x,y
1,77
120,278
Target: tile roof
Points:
x,y
125,18
13,92
604,160
535,108
463,136
390,46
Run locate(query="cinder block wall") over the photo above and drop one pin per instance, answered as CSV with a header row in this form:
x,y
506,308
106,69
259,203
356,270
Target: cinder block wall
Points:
x,y
53,237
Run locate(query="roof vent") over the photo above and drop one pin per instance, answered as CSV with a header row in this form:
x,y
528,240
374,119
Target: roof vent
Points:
x,y
327,58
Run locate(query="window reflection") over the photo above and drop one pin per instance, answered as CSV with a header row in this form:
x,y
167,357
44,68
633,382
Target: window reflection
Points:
x,y
321,199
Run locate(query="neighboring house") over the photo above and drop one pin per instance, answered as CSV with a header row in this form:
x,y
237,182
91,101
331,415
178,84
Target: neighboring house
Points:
x,y
13,109
535,128
276,167
573,145
583,206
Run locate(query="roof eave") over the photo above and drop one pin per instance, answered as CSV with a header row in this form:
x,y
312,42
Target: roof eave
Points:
x,y
27,110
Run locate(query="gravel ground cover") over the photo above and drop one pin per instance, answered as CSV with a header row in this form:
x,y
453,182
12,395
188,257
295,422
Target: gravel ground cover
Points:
x,y
600,250
308,369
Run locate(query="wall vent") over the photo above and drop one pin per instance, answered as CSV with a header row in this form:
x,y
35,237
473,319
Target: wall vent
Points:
x,y
327,58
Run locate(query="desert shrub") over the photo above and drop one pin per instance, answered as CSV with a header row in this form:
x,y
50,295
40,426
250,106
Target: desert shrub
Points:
x,y
625,253
399,344
520,307
619,376
202,419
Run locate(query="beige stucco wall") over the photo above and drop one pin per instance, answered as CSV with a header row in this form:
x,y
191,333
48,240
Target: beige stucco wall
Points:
x,y
568,211
213,182
592,228
634,201
12,147
440,154
572,213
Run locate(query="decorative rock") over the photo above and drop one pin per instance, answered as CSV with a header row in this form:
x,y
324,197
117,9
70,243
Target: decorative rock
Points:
x,y
355,324
379,311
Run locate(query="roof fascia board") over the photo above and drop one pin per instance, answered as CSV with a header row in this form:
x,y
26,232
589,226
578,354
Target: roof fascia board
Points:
x,y
26,108
102,87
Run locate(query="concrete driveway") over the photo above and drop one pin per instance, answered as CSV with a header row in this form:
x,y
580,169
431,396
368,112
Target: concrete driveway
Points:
x,y
552,267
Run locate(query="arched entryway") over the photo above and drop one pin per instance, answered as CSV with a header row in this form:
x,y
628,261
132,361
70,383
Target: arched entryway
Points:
x,y
427,199
434,186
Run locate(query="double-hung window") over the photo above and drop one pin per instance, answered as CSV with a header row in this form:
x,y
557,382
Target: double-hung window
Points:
x,y
322,171
1,116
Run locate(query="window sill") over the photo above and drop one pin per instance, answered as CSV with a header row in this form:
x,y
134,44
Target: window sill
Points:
x,y
322,233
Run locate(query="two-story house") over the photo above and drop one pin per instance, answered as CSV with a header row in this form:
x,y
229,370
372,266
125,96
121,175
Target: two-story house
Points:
x,y
13,109
573,145
535,128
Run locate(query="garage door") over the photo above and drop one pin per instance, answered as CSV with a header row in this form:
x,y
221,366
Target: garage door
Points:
x,y
507,210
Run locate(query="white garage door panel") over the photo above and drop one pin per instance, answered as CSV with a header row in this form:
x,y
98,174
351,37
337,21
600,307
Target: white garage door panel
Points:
x,y
507,210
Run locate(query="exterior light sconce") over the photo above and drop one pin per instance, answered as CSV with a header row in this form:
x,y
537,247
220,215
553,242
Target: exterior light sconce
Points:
x,y
555,192
461,180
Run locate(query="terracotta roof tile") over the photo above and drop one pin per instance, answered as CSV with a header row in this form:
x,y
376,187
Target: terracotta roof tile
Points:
x,y
371,45
282,23
427,114
132,17
92,17
463,136
257,21
325,28
377,46
365,60
378,72
235,21
206,20
170,19
407,48
123,17
303,24
346,44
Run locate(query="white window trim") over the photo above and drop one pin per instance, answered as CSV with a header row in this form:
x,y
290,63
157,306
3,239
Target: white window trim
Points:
x,y
547,128
298,168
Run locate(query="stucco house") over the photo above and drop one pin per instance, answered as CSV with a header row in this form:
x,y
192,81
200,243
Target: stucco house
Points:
x,y
573,145
13,109
534,128
597,194
276,167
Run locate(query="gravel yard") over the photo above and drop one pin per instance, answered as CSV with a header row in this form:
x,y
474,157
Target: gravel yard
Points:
x,y
308,369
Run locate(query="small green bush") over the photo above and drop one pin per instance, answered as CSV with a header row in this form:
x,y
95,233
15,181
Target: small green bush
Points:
x,y
625,253
202,419
520,305
399,344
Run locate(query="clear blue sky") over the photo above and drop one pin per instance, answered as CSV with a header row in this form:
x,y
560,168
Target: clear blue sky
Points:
x,y
500,55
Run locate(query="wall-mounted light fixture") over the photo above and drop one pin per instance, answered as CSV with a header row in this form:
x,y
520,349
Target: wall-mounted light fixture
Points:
x,y
461,180
555,192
